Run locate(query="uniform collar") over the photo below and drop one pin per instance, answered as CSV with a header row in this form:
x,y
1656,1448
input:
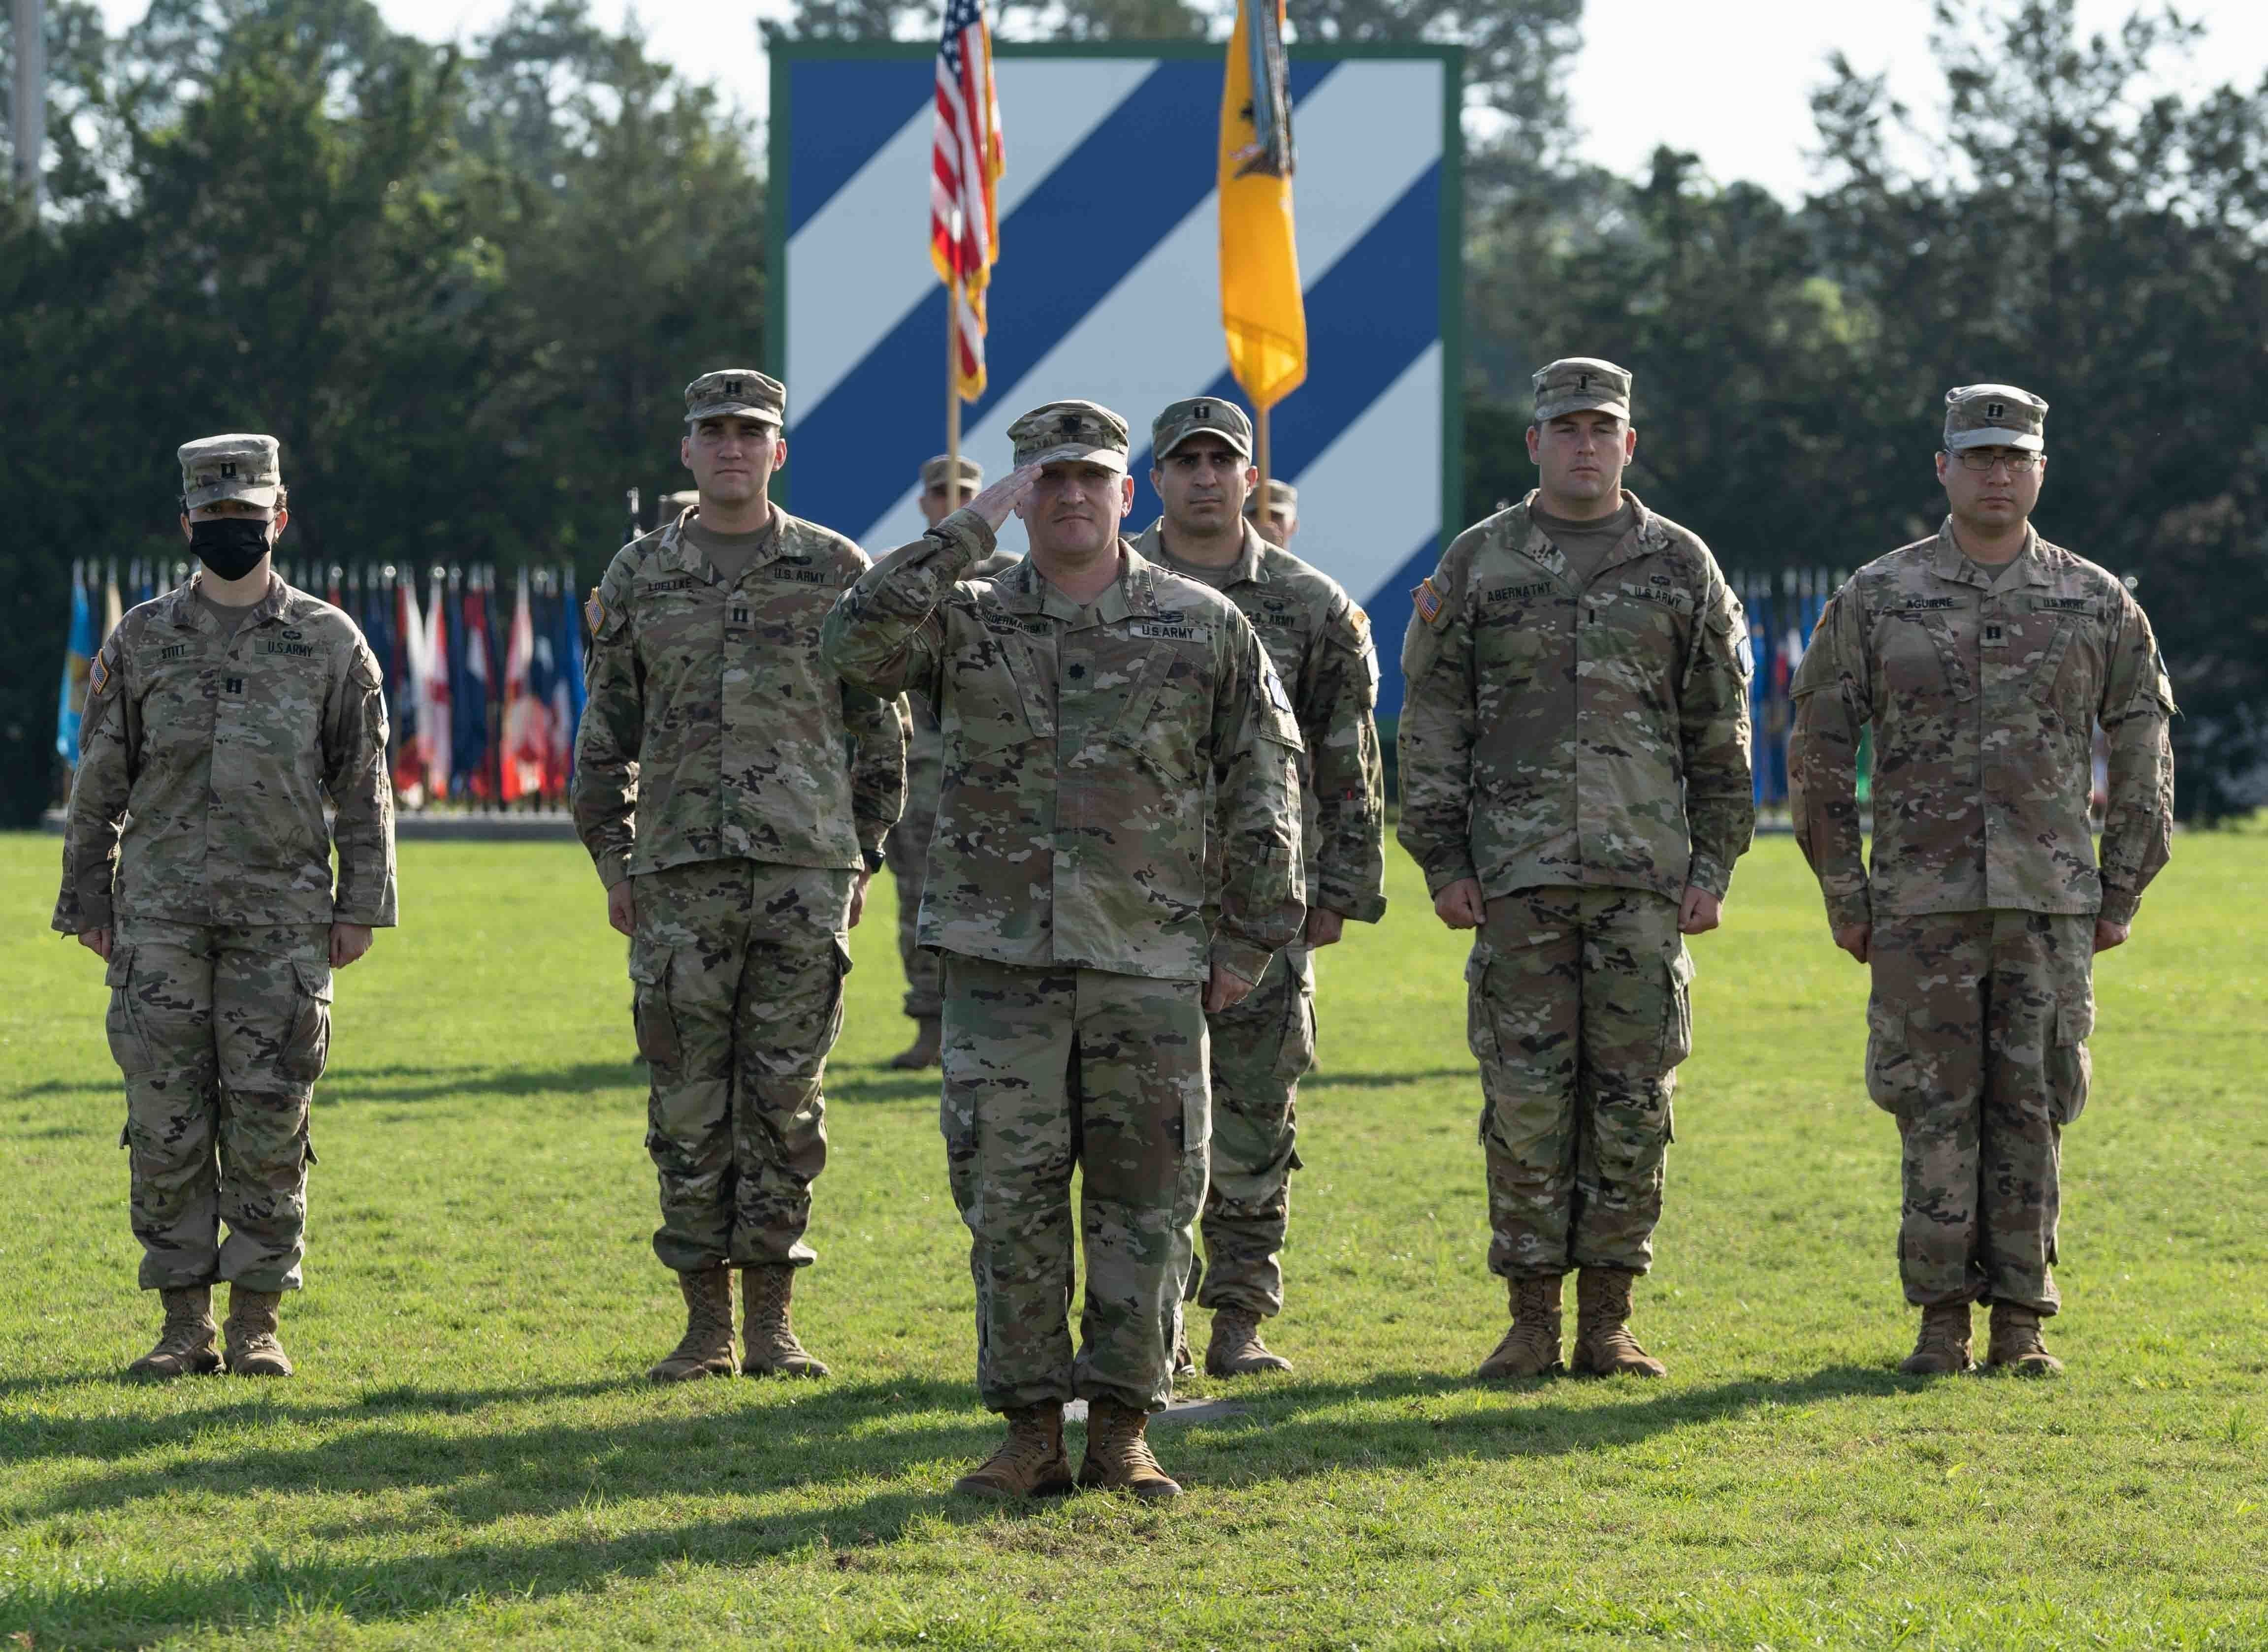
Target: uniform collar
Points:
x,y
1645,535
1023,589
181,606
1249,568
681,555
1951,562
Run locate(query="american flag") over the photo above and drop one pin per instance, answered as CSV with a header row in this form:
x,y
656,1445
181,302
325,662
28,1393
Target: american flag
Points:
x,y
964,234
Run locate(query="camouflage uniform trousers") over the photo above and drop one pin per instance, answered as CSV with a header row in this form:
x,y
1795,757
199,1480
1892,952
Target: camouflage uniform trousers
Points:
x,y
738,967
907,851
221,1032
1048,1068
1580,1011
1977,1032
1259,1048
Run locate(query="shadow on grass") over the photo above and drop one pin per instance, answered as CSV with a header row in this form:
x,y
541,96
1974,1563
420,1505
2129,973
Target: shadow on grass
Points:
x,y
356,1085
1291,1432
1386,1080
859,1439
824,1433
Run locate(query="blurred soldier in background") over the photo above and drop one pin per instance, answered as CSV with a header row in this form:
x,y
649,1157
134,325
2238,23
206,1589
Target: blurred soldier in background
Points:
x,y
942,493
1096,709
1277,518
1576,786
1320,643
734,795
221,718
1982,658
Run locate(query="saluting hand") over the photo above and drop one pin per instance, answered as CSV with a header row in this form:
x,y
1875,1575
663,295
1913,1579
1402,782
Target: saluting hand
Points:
x,y
997,503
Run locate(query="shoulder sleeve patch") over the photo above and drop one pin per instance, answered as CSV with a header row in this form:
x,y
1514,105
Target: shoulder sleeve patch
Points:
x,y
1428,601
594,613
1270,679
99,675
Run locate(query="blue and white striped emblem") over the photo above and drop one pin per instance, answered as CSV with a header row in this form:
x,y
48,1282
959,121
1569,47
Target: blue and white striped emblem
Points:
x,y
1107,286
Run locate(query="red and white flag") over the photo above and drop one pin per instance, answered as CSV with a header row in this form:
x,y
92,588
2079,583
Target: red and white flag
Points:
x,y
965,165
527,720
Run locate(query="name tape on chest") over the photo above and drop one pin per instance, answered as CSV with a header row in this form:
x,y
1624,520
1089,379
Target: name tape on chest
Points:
x,y
1496,594
1166,631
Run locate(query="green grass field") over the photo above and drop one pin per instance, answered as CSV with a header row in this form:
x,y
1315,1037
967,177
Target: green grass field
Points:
x,y
471,1456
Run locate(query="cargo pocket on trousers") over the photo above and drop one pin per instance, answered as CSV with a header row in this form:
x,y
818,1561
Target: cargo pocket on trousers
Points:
x,y
1295,1053
1891,1074
307,1049
1677,1021
2071,1069
1480,1027
128,1047
656,1024
834,1011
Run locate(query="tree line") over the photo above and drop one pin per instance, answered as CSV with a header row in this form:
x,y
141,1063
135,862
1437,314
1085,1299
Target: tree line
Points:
x,y
462,285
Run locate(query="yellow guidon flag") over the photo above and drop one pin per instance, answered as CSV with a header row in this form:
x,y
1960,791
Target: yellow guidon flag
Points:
x,y
1261,307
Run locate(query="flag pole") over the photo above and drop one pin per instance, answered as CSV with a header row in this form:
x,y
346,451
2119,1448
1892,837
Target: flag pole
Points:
x,y
953,387
1260,462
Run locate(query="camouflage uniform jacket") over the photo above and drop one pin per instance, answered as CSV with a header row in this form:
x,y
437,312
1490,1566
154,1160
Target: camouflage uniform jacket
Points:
x,y
1320,644
1557,735
1982,702
1082,747
925,739
205,761
713,733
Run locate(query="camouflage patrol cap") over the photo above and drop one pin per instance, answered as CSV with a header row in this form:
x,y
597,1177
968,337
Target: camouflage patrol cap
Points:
x,y
1574,383
1281,496
933,472
1069,429
1190,415
240,467
1994,416
736,392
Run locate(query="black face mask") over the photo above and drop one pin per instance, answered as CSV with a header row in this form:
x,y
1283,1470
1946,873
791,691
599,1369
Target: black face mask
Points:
x,y
232,546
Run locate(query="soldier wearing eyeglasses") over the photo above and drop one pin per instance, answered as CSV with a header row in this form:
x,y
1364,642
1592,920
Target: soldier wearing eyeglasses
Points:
x,y
1982,659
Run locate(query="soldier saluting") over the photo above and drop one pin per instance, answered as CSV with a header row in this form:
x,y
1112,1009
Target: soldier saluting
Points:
x,y
1982,658
220,719
1575,783
734,795
1094,707
1320,643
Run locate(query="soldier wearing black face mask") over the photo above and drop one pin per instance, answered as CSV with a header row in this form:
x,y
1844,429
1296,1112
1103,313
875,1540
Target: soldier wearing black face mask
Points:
x,y
220,717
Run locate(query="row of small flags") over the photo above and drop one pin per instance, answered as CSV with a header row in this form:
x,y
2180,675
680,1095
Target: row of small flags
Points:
x,y
484,688
484,705
1784,609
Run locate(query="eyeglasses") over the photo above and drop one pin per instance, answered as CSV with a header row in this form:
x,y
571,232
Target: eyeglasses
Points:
x,y
1984,459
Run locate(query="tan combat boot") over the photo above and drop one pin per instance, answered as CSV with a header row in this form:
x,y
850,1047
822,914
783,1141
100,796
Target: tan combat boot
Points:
x,y
1030,1462
1236,1349
706,1348
1603,1344
1942,1347
1531,1347
769,1338
929,1042
185,1345
250,1348
2016,1347
1118,1456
